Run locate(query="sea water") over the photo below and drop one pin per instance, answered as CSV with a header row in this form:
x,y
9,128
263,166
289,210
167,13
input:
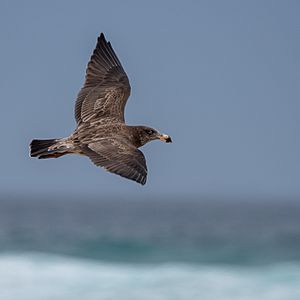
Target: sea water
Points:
x,y
56,248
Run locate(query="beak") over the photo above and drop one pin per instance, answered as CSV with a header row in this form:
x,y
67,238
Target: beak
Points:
x,y
165,138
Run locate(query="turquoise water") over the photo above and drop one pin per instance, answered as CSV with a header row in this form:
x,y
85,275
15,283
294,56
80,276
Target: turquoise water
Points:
x,y
150,249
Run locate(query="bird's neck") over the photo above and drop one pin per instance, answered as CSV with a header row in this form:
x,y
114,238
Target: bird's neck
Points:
x,y
136,138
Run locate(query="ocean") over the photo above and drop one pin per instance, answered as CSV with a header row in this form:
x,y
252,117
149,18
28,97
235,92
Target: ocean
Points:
x,y
159,249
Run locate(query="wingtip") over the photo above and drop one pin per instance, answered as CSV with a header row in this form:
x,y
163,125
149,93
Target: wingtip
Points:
x,y
143,181
101,37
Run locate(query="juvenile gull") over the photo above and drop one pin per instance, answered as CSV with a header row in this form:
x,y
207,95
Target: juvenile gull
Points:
x,y
101,132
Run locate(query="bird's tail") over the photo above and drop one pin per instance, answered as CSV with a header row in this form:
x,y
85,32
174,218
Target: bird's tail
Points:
x,y
47,148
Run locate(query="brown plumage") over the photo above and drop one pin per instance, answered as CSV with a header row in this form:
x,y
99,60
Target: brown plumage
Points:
x,y
101,132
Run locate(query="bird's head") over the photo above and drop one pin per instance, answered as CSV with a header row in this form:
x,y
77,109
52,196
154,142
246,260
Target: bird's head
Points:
x,y
148,134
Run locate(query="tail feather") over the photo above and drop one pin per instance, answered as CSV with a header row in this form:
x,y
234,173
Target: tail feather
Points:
x,y
41,147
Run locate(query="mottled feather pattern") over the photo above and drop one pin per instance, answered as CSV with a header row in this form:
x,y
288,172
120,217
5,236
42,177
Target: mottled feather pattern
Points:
x,y
106,84
101,132
119,158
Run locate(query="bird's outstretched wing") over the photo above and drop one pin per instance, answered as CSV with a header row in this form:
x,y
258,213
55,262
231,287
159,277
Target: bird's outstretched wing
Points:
x,y
118,157
106,88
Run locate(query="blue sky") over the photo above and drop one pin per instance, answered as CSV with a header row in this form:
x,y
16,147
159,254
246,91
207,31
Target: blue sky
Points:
x,y
221,77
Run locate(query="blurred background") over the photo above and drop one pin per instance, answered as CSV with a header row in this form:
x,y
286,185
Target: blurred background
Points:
x,y
219,217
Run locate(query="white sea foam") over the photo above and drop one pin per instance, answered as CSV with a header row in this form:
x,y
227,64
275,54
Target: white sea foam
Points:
x,y
47,277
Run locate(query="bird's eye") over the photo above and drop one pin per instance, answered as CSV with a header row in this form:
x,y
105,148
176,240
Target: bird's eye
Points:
x,y
150,131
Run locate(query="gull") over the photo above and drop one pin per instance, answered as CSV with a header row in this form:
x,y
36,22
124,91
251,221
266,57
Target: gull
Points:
x,y
101,133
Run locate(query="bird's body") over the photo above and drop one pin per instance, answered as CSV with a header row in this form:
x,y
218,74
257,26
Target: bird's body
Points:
x,y
101,132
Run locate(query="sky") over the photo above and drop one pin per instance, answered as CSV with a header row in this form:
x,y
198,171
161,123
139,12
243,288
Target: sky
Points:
x,y
221,77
